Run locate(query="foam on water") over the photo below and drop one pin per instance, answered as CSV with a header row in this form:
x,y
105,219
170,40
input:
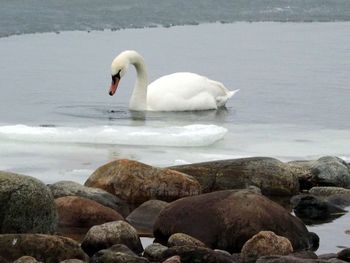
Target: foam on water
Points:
x,y
181,136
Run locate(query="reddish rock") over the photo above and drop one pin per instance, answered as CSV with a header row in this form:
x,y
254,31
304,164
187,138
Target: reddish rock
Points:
x,y
227,219
136,182
76,211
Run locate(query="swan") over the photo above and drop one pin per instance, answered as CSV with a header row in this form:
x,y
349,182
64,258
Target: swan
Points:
x,y
182,91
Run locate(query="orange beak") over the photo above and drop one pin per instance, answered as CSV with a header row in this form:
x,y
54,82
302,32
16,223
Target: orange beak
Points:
x,y
114,86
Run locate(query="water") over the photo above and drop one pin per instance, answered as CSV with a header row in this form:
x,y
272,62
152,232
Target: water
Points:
x,y
57,121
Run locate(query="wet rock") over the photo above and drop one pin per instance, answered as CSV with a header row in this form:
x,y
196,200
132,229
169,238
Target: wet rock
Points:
x,y
154,252
344,254
306,254
26,259
180,239
109,234
45,248
326,171
270,175
327,256
227,219
122,177
75,211
310,208
265,243
117,253
26,205
144,216
190,254
69,188
287,259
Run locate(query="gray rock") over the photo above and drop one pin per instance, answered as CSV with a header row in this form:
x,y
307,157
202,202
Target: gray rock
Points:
x,y
328,191
310,208
154,252
288,259
69,188
45,248
344,254
117,253
326,171
109,234
270,175
229,219
144,216
72,261
26,205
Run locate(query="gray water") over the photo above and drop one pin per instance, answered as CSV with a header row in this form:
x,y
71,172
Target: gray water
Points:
x,y
57,121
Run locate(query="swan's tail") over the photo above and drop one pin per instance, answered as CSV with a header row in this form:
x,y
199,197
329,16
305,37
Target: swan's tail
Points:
x,y
231,93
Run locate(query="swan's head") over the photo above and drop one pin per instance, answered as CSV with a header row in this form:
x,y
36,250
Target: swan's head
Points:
x,y
118,70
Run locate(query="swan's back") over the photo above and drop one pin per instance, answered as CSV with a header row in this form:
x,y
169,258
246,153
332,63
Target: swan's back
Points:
x,y
186,91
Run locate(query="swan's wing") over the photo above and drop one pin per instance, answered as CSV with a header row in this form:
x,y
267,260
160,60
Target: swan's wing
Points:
x,y
186,91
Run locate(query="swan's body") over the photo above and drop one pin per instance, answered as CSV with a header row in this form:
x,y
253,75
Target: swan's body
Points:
x,y
181,91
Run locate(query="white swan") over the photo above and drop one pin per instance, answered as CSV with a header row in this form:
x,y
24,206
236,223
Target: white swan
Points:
x,y
181,91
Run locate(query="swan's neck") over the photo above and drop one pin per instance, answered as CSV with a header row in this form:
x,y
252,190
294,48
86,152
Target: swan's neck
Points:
x,y
138,99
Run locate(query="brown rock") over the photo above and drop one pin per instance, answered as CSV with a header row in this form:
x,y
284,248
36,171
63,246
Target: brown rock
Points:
x,y
46,248
75,211
227,219
270,175
265,243
136,182
180,239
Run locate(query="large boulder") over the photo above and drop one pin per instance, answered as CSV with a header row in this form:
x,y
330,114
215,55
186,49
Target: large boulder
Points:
x,y
144,216
326,171
270,175
109,234
227,219
117,253
26,205
69,188
265,243
136,182
46,248
75,211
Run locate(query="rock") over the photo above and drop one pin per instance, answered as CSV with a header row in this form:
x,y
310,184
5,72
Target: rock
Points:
x,y
327,256
117,253
26,259
265,243
46,248
270,175
111,233
154,252
180,239
69,188
310,208
75,211
190,254
122,177
328,190
227,219
26,205
326,171
173,259
306,254
287,259
72,261
144,216
344,254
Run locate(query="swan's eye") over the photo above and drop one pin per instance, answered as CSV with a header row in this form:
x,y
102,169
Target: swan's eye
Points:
x,y
115,77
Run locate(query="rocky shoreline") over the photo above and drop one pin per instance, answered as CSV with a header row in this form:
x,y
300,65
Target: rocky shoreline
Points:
x,y
220,211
